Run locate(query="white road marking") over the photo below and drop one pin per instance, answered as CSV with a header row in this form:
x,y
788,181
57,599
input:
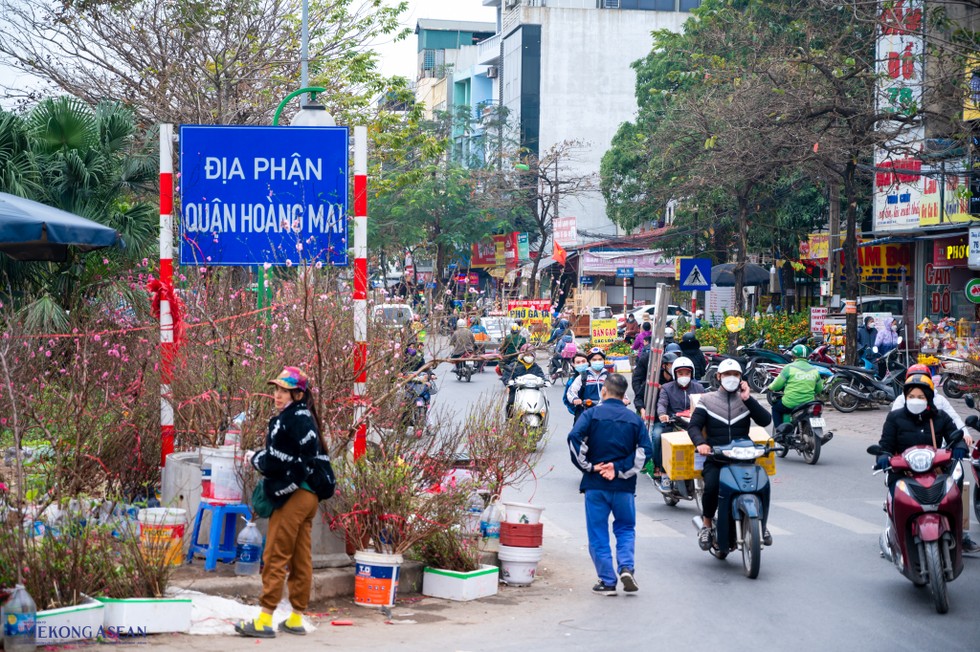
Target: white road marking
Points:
x,y
832,517
647,528
777,531
552,530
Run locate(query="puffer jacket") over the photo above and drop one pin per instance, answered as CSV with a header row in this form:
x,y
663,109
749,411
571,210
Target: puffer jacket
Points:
x,y
903,430
290,445
722,416
610,432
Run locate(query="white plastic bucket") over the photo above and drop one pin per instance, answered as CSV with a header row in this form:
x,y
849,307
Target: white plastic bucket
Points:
x,y
518,565
376,578
225,481
162,534
522,513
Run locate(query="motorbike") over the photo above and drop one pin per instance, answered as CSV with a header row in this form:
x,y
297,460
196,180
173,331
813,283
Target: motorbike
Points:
x,y
925,517
975,465
805,432
679,489
830,380
464,369
823,354
743,497
530,402
956,380
859,387
418,392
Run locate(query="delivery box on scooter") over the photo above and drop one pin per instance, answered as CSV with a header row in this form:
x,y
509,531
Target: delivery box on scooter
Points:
x,y
678,454
759,436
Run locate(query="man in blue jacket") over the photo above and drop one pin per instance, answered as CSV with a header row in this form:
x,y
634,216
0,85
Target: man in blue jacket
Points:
x,y
609,444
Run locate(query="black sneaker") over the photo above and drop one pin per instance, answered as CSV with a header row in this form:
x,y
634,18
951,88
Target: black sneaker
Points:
x,y
969,545
603,589
704,538
629,582
766,537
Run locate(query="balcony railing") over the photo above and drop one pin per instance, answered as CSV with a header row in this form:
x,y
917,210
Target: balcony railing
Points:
x,y
488,50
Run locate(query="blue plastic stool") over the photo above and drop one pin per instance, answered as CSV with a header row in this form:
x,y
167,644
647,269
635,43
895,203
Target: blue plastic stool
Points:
x,y
221,539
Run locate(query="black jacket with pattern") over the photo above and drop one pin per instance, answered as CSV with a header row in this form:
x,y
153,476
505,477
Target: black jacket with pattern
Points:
x,y
722,417
291,445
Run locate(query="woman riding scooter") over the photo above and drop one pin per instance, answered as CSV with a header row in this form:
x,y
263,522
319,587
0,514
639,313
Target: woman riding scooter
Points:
x,y
524,365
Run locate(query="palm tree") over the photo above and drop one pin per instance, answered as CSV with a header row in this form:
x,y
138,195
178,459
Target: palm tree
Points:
x,y
94,162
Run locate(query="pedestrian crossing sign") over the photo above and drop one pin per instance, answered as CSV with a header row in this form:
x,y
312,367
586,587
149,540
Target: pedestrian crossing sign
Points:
x,y
695,274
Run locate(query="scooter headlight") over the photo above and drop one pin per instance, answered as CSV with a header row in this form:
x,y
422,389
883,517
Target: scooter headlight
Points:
x,y
920,459
533,420
744,453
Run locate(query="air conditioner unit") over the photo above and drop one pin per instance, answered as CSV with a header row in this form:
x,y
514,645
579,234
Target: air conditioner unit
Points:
x,y
492,72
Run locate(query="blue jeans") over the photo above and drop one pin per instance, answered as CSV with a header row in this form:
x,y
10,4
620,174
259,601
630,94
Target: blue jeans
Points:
x,y
598,505
658,456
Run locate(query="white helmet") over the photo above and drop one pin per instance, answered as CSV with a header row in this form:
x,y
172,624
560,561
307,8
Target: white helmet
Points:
x,y
681,363
729,365
668,332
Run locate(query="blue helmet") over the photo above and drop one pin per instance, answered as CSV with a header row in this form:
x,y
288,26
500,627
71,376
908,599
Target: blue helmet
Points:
x,y
566,338
673,348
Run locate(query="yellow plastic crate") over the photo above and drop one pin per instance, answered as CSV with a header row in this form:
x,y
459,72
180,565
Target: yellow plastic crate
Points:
x,y
678,456
759,435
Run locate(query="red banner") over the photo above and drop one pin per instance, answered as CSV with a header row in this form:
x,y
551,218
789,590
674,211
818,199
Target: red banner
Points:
x,y
485,252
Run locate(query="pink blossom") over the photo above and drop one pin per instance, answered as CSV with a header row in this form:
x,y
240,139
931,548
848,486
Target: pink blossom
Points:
x,y
47,354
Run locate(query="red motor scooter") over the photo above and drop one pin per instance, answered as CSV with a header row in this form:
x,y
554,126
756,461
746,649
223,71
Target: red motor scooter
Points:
x,y
925,514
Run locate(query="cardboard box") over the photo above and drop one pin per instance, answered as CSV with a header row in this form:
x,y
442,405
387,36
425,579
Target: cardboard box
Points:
x,y
759,435
678,456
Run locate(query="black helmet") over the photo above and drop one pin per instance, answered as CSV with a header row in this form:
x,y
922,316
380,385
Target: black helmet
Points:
x,y
688,337
669,358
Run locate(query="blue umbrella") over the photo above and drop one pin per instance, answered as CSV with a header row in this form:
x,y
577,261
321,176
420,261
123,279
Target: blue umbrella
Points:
x,y
30,230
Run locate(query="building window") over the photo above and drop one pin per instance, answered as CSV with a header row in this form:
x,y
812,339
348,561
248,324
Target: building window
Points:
x,y
690,5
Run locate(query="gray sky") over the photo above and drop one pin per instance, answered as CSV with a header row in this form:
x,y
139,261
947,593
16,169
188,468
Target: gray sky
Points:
x,y
401,58
396,58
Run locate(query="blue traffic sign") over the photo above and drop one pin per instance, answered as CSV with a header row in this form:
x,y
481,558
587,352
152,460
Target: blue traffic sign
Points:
x,y
585,280
695,274
263,195
624,272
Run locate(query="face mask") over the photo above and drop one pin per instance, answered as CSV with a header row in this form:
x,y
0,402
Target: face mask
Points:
x,y
528,359
597,365
410,351
916,405
894,329
730,383
683,381
579,368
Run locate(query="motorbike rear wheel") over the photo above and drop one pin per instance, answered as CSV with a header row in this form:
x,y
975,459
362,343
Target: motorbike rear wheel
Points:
x,y
751,546
937,578
811,445
952,387
758,379
842,401
670,500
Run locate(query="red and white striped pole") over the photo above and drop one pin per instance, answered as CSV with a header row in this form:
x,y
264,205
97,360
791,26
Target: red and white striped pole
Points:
x,y
167,279
360,290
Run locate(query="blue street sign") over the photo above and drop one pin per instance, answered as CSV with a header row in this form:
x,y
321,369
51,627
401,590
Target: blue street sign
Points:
x,y
695,274
624,272
256,195
585,280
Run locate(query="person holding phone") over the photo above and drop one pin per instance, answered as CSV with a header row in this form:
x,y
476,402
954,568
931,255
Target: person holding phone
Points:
x,y
721,417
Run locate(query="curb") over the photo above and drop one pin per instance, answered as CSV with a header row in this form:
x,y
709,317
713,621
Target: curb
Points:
x,y
327,583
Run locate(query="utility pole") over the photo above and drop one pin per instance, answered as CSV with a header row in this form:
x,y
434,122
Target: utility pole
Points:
x,y
833,240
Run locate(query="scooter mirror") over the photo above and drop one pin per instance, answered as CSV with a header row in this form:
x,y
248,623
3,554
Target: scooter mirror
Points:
x,y
970,403
875,449
973,421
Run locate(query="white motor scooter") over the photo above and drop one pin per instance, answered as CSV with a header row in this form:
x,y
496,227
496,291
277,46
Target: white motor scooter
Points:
x,y
530,401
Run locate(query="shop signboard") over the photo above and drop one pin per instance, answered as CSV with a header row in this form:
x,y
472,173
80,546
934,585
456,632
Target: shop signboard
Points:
x,y
973,256
565,232
818,316
955,196
884,263
523,246
939,301
603,332
973,290
496,251
950,252
644,263
718,303
899,48
536,316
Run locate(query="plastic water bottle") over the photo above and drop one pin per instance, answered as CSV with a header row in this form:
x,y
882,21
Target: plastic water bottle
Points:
x,y
473,514
490,522
19,616
248,557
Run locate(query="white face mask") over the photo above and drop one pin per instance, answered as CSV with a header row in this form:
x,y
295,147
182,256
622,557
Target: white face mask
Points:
x,y
730,383
683,381
916,405
528,359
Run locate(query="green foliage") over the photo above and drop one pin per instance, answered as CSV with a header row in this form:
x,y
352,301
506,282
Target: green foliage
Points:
x,y
777,329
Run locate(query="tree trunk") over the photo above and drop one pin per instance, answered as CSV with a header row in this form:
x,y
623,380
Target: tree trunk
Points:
x,y
788,278
850,261
741,246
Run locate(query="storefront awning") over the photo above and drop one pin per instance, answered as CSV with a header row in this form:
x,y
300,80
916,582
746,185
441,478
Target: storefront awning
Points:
x,y
893,239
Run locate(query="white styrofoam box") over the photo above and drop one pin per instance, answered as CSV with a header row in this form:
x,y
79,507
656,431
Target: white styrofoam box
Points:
x,y
453,585
68,624
147,615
